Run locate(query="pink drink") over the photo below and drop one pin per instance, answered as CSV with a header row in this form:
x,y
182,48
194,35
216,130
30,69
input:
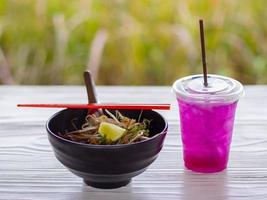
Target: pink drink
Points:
x,y
207,120
206,134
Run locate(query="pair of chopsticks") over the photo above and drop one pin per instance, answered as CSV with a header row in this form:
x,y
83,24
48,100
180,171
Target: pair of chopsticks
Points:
x,y
101,106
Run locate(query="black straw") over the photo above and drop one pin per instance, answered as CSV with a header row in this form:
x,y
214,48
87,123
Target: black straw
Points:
x,y
203,51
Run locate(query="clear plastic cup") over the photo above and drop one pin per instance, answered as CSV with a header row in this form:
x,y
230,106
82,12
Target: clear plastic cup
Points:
x,y
207,119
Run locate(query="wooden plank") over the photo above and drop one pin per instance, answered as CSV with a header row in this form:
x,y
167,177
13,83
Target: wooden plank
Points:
x,y
29,169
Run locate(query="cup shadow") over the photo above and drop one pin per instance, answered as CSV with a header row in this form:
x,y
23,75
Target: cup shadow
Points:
x,y
205,186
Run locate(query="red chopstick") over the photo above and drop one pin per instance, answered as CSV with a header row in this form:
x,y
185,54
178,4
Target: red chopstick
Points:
x,y
103,106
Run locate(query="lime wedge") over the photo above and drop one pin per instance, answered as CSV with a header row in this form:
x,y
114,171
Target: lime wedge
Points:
x,y
110,131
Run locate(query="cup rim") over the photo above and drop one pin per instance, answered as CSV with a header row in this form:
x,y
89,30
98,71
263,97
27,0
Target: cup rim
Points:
x,y
232,96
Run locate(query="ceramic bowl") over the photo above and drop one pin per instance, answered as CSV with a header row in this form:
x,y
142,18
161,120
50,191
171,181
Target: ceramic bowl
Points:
x,y
105,166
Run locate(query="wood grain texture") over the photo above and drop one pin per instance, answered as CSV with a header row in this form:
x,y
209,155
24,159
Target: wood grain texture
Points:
x,y
29,170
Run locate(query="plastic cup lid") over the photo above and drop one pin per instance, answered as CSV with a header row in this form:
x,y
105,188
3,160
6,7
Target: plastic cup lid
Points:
x,y
220,88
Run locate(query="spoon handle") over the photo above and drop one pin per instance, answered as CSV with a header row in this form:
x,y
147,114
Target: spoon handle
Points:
x,y
90,87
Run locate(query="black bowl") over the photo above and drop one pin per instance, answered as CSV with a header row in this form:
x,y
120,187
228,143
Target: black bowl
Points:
x,y
105,166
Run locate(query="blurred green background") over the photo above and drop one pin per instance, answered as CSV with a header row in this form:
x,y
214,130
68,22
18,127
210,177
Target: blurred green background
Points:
x,y
140,42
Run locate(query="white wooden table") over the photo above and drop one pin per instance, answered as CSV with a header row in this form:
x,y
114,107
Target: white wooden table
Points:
x,y
29,169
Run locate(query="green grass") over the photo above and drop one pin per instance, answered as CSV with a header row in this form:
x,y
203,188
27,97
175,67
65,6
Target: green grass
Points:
x,y
149,42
